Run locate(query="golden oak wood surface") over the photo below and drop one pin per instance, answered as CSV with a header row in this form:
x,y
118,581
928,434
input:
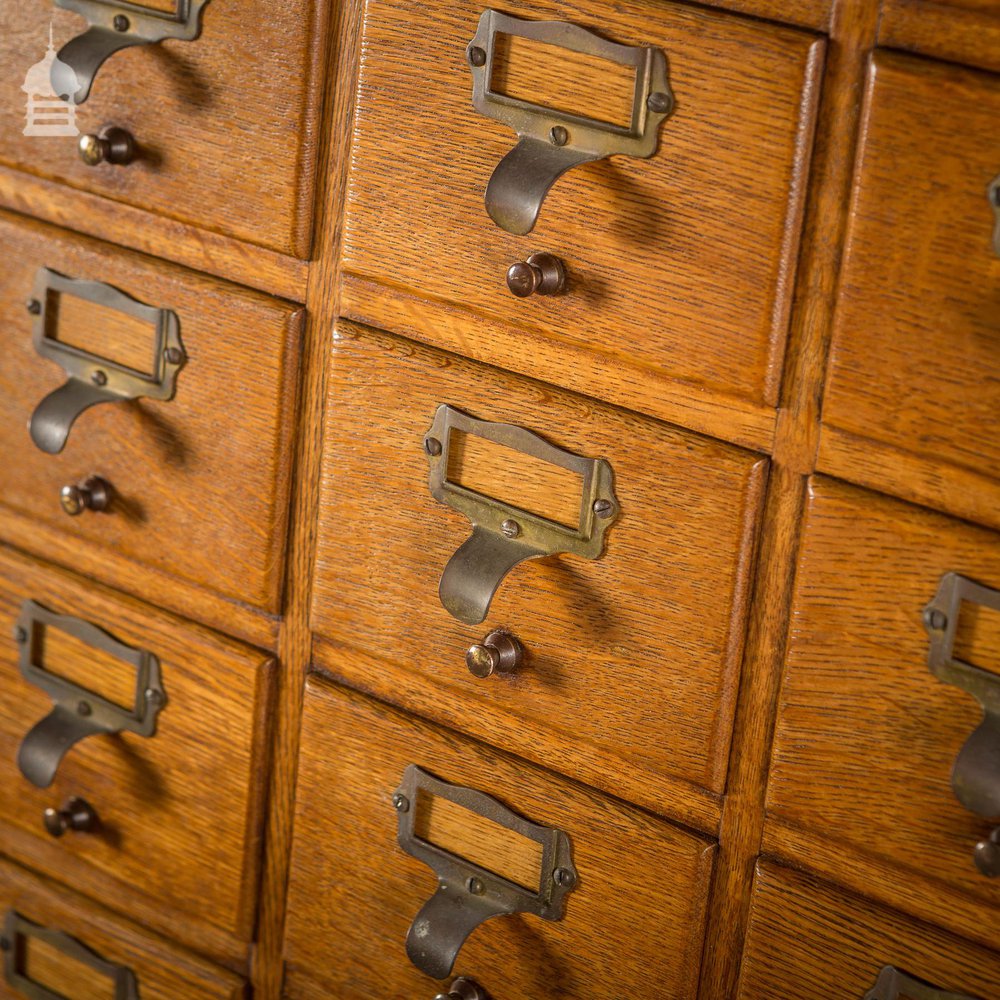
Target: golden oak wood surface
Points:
x,y
962,31
202,481
679,267
631,660
636,917
914,380
866,735
225,125
163,971
172,806
810,941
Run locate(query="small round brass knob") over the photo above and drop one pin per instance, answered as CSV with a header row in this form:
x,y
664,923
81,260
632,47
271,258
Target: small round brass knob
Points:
x,y
93,493
463,989
987,854
75,815
541,273
498,653
110,145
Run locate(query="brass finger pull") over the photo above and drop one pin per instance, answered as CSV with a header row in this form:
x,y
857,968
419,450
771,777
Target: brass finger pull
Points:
x,y
975,777
464,989
110,145
76,815
93,379
540,274
893,984
468,894
503,535
499,653
993,193
550,142
78,713
18,934
92,493
113,25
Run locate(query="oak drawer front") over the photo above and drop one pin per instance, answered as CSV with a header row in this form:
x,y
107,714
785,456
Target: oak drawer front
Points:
x,y
811,941
867,736
225,125
199,482
172,805
73,948
914,380
631,660
679,267
636,914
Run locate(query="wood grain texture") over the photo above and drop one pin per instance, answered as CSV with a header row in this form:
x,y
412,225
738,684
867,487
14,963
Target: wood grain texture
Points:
x,y
226,125
163,971
913,368
644,644
168,239
867,736
696,246
201,481
171,806
962,31
811,941
637,917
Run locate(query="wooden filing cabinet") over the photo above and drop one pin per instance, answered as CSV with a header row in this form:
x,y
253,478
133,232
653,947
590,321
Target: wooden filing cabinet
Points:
x,y
532,476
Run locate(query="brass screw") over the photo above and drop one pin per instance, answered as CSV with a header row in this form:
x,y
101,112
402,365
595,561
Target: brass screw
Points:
x,y
432,446
477,56
401,802
510,528
153,696
475,886
559,135
659,103
564,877
174,355
603,508
936,619
20,635
84,709
33,306
99,378
121,22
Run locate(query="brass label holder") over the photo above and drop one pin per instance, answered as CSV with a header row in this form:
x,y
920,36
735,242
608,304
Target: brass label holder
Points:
x,y
504,535
18,930
893,984
975,777
113,25
468,894
93,379
79,713
551,142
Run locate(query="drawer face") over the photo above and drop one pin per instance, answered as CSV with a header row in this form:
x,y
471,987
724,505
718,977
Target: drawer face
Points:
x,y
810,941
636,916
170,806
631,660
225,125
161,971
918,319
200,482
684,262
866,735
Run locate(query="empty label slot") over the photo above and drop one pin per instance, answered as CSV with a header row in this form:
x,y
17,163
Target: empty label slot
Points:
x,y
514,478
105,333
167,6
64,976
571,82
470,836
977,636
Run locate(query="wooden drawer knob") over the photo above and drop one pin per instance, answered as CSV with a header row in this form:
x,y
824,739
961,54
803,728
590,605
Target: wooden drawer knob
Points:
x,y
110,145
541,273
76,815
499,653
93,493
463,989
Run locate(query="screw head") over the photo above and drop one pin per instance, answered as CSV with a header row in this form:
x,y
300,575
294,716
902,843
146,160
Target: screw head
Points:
x,y
121,22
935,619
72,500
99,378
91,150
477,56
604,508
481,661
659,103
33,306
20,635
510,528
174,355
523,279
153,696
83,708
558,135
564,877
432,446
475,886
400,802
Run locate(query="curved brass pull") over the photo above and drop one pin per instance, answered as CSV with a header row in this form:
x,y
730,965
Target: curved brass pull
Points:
x,y
894,984
77,815
464,989
552,142
92,379
114,25
502,535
